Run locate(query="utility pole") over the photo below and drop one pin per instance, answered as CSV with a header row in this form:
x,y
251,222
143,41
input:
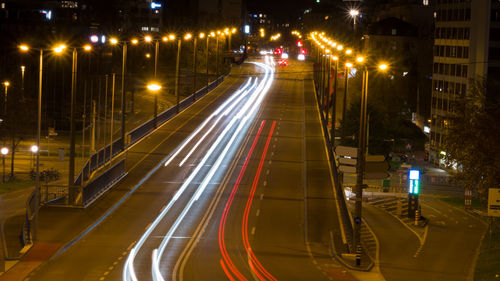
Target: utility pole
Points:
x,y
124,102
177,64
92,140
71,177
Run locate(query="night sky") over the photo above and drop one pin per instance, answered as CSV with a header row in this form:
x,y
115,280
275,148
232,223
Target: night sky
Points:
x,y
279,9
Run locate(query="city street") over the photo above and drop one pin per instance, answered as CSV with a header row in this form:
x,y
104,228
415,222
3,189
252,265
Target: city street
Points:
x,y
250,219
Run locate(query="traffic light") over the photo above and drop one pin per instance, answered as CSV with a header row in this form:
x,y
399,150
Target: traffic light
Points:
x,y
413,190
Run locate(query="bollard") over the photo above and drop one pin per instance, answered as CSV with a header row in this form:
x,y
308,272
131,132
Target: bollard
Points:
x,y
400,208
417,216
358,255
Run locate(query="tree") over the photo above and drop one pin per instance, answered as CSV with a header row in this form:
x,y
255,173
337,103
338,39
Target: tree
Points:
x,y
473,137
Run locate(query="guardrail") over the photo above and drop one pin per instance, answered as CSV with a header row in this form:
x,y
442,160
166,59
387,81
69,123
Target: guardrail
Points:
x,y
102,156
339,189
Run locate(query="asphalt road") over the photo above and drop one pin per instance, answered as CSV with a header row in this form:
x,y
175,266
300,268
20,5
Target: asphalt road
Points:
x,y
446,250
265,179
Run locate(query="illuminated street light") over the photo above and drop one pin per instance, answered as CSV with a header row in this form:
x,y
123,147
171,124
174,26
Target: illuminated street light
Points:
x,y
348,52
134,41
4,152
383,66
164,38
24,48
348,65
171,37
154,88
188,36
113,40
59,48
360,59
340,47
148,39
202,35
354,14
87,48
148,55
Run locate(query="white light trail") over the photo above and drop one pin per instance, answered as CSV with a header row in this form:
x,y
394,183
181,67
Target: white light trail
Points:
x,y
247,112
215,113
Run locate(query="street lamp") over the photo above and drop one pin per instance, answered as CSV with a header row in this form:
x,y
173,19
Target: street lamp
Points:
x,y
354,13
4,152
347,70
26,48
361,153
114,41
34,150
71,174
154,88
6,84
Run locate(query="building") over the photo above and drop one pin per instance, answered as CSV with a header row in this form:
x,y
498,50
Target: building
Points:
x,y
466,47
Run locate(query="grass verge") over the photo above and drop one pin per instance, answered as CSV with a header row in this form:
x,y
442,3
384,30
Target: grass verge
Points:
x,y
15,185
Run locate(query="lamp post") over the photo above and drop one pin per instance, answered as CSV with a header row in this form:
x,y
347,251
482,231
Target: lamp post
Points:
x,y
26,48
23,68
34,150
115,41
360,169
4,152
354,14
195,41
154,88
334,100
71,174
217,55
212,34
6,85
347,70
177,66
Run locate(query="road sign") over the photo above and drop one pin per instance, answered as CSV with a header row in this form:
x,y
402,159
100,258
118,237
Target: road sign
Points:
x,y
494,202
376,167
346,151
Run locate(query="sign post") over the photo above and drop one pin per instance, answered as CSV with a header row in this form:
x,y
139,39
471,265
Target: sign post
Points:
x,y
413,191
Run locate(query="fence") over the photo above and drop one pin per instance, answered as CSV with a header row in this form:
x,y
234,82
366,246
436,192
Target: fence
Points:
x,y
102,156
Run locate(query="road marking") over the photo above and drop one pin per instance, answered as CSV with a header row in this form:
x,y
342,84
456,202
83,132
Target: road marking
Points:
x,y
110,268
274,146
434,209
106,273
267,172
265,183
272,153
258,212
115,263
253,230
102,278
124,253
129,247
120,258
261,196
422,242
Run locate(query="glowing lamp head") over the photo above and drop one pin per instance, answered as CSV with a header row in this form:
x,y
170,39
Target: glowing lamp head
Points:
x,y
148,55
6,83
94,38
335,58
340,47
154,87
348,64
353,13
348,52
233,31
164,38
134,41
4,151
59,48
24,48
360,59
171,37
148,39
327,51
201,35
34,148
383,66
113,40
188,36
87,48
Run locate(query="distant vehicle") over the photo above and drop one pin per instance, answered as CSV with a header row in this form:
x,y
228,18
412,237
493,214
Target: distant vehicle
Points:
x,y
283,62
284,56
301,57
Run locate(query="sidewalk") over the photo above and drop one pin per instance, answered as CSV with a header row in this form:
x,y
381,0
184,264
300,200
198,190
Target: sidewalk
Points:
x,y
59,228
